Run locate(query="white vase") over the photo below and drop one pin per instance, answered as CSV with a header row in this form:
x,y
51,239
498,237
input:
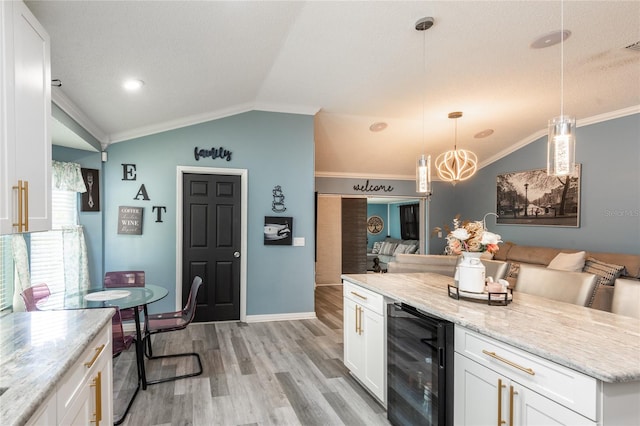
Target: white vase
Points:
x,y
470,273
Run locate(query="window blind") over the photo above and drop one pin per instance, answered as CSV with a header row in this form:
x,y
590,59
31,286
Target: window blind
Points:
x,y
47,262
6,272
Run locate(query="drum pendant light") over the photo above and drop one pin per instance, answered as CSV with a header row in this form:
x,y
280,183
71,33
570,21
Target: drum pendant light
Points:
x,y
459,164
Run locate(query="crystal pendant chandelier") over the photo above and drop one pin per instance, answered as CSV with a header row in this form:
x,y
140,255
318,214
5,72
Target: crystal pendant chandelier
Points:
x,y
561,142
423,168
459,164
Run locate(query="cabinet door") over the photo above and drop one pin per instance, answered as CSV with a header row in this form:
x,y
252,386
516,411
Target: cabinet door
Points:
x,y
26,92
374,341
32,103
354,343
476,393
532,409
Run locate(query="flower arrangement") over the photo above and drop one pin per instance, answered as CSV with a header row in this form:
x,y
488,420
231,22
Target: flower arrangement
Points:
x,y
470,236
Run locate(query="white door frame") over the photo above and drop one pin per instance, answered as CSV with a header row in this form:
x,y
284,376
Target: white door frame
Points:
x,y
244,184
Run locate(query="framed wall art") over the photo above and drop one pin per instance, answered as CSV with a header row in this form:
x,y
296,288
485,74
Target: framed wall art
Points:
x,y
278,231
90,200
533,198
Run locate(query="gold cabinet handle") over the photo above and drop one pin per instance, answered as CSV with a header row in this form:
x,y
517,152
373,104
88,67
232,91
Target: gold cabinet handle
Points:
x,y
361,330
511,363
19,191
97,383
512,392
359,295
25,188
500,386
23,206
95,356
356,314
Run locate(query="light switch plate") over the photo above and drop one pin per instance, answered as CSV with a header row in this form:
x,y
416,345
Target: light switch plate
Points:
x,y
298,241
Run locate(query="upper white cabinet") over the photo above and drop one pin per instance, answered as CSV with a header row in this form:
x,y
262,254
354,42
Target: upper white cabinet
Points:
x,y
25,115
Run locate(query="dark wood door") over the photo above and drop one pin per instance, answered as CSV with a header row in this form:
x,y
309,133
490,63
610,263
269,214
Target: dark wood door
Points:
x,y
211,244
354,235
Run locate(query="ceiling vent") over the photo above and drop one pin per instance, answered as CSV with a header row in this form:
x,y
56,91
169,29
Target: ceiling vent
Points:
x,y
635,46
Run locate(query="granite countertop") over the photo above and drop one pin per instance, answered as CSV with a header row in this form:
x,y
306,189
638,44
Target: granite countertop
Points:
x,y
597,343
36,349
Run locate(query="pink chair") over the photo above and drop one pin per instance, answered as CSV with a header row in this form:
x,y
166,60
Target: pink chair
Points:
x,y
33,295
172,321
120,343
124,279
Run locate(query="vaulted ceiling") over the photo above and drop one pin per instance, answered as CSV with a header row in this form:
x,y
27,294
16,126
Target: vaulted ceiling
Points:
x,y
352,63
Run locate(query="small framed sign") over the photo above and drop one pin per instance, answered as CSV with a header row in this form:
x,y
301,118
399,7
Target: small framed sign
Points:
x,y
130,220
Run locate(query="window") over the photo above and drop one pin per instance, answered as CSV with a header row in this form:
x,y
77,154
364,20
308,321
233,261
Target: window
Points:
x,y
6,272
47,248
409,222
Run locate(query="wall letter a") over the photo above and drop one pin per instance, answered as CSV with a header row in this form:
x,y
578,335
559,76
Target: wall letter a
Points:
x,y
142,192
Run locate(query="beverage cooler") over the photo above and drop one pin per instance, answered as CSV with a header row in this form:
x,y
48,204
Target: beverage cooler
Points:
x,y
420,367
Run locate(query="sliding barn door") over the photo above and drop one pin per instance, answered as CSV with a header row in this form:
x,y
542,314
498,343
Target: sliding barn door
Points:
x,y
354,235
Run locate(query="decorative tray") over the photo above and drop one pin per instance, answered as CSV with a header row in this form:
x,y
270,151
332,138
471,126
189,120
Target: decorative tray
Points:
x,y
493,299
107,295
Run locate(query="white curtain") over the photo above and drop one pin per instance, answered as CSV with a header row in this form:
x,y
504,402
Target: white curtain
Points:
x,y
21,280
76,262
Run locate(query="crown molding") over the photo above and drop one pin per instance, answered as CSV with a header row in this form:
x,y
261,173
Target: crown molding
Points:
x,y
179,123
65,104
624,112
287,109
357,175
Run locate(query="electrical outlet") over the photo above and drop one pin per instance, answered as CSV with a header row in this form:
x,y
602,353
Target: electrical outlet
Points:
x,y
439,234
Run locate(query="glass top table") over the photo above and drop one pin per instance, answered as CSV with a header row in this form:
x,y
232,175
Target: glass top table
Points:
x,y
123,298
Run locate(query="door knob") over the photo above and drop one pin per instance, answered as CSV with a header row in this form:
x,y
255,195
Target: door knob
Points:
x,y
236,254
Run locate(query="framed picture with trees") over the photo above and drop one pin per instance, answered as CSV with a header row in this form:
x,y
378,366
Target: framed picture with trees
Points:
x,y
533,198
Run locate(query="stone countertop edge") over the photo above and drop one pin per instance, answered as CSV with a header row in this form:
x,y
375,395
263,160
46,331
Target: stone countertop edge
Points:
x,y
598,344
36,350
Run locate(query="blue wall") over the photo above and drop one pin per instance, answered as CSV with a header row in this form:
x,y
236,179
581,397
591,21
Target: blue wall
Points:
x,y
276,149
92,221
377,210
610,193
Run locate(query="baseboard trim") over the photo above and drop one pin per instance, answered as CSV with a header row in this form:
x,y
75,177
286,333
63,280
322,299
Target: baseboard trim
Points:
x,y
281,317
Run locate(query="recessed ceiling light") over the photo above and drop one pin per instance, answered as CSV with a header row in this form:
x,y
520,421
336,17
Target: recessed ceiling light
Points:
x,y
550,39
483,134
132,85
378,126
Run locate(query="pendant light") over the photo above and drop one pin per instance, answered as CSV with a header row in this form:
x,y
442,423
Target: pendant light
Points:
x,y
459,164
423,168
561,142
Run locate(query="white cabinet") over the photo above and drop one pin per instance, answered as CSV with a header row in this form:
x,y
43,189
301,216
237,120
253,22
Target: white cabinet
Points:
x,y
25,114
84,395
365,346
484,397
496,383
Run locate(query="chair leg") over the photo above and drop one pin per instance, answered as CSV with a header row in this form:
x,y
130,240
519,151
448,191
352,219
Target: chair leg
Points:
x,y
133,397
126,411
169,379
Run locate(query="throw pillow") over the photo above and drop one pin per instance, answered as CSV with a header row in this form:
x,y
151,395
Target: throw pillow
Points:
x,y
568,262
413,249
514,268
402,249
606,272
388,248
376,247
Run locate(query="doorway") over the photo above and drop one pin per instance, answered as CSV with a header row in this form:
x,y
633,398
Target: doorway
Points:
x,y
211,224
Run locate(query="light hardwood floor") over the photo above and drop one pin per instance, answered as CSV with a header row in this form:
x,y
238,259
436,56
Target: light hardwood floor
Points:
x,y
272,373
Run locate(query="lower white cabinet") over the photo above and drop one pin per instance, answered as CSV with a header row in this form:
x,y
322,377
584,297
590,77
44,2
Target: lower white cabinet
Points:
x,y
496,383
365,338
84,396
484,397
